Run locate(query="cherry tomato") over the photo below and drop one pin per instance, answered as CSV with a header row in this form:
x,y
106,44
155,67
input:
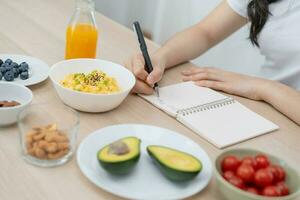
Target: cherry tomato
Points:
x,y
252,190
230,163
280,174
228,175
245,172
250,161
271,191
283,188
262,161
273,170
237,182
263,178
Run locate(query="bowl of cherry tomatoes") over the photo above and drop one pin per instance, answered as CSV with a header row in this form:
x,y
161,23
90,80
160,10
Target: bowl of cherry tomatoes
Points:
x,y
246,174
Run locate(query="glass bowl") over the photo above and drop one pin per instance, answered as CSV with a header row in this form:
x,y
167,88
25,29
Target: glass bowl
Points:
x,y
48,134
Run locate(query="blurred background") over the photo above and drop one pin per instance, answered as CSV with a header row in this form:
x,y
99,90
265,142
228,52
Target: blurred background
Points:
x,y
160,19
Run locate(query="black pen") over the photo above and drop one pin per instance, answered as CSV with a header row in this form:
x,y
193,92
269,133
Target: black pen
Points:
x,y
143,47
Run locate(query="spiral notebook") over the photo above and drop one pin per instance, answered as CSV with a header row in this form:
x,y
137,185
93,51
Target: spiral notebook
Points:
x,y
217,118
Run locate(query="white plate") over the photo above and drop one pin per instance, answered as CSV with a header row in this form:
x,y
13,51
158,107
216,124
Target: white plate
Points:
x,y
146,181
38,69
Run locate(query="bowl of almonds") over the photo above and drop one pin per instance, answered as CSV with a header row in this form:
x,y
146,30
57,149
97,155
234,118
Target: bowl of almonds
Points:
x,y
47,142
48,139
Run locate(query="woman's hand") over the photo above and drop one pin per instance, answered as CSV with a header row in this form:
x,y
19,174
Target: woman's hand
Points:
x,y
144,81
228,82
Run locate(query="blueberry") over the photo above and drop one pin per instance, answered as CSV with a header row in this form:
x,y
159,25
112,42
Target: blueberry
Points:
x,y
24,75
9,76
8,61
2,70
14,65
8,68
1,62
23,69
16,72
5,65
24,65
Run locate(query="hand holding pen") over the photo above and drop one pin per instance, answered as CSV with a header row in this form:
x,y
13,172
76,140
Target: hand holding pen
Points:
x,y
147,71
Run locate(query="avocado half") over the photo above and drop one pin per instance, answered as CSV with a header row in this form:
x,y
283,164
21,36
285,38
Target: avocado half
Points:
x,y
121,156
175,165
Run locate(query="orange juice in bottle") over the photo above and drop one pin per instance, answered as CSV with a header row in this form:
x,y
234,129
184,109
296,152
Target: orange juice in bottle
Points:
x,y
82,33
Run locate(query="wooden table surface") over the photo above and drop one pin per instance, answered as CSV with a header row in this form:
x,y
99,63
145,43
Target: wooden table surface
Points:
x,y
37,28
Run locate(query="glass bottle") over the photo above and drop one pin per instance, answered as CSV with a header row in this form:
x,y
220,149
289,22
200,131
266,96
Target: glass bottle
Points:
x,y
82,33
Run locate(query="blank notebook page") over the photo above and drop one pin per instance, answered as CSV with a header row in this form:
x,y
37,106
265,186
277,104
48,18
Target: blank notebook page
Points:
x,y
227,125
182,96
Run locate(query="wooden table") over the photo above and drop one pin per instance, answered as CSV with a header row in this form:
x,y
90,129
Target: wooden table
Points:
x,y
37,28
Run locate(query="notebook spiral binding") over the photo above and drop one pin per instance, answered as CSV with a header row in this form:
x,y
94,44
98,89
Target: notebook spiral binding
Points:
x,y
208,106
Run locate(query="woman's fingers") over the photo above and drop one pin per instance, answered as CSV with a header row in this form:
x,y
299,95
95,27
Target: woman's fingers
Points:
x,y
144,80
138,69
207,73
194,70
225,81
142,88
202,76
155,76
216,85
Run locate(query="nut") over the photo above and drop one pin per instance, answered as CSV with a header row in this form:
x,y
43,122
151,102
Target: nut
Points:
x,y
58,154
34,145
47,142
63,145
31,133
51,127
40,153
31,151
42,144
61,138
51,147
39,136
49,137
29,139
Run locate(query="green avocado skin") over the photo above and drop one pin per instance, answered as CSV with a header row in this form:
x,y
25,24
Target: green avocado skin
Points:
x,y
120,168
172,174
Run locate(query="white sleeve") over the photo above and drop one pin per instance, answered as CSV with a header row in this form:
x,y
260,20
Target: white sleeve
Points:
x,y
239,6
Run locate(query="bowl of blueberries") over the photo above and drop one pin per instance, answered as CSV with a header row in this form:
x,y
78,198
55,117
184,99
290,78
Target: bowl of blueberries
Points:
x,y
10,70
22,69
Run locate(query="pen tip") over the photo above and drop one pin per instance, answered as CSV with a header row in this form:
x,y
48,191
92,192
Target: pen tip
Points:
x,y
156,91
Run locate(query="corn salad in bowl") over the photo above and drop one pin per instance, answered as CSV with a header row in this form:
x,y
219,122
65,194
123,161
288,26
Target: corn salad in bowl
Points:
x,y
96,82
91,85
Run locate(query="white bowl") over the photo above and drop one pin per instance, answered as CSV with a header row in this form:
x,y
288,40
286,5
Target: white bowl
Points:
x,y
89,102
13,92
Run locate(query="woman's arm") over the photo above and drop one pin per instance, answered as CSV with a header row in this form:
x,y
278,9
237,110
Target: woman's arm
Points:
x,y
186,45
282,97
196,40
